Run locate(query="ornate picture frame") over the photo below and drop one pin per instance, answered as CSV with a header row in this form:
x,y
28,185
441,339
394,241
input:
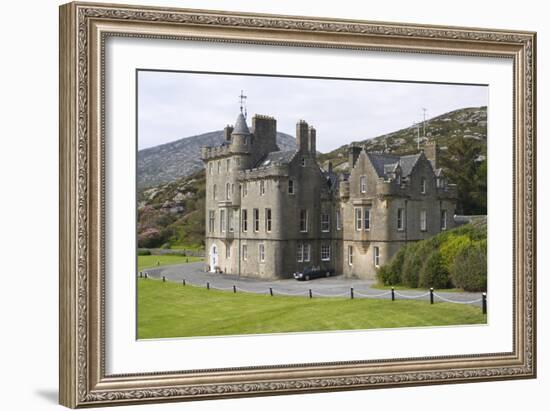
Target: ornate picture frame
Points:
x,y
84,28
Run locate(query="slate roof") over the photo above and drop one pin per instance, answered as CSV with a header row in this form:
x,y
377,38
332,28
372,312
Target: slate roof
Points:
x,y
280,157
386,163
240,125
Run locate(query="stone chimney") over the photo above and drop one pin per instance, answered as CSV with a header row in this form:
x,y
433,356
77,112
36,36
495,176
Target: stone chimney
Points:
x,y
227,133
302,136
312,141
431,150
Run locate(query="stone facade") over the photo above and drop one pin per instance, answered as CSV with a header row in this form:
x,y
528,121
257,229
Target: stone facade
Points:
x,y
270,213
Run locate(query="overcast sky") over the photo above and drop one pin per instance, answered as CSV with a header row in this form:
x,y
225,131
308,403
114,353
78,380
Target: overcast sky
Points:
x,y
176,105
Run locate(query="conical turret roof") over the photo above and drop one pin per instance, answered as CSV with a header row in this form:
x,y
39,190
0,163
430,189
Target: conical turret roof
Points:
x,y
240,125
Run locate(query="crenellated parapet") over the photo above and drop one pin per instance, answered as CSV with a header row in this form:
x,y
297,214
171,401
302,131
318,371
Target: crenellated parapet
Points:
x,y
211,153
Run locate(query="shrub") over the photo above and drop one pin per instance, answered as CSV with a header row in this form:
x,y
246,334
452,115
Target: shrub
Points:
x,y
412,264
469,270
143,251
452,247
434,273
390,273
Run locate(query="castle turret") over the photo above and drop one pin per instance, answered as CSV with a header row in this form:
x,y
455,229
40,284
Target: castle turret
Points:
x,y
240,136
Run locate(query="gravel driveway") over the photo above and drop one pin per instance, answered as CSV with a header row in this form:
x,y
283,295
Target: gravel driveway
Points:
x,y
336,286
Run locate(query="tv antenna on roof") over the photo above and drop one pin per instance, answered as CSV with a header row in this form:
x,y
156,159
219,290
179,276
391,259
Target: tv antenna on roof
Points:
x,y
242,102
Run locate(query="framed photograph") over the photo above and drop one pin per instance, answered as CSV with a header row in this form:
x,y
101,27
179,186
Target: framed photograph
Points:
x,y
261,205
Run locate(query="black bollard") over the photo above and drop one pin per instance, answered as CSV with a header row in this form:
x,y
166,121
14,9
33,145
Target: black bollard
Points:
x,y
234,289
393,294
431,295
271,291
484,303
183,281
208,286
140,274
310,295
351,293
163,279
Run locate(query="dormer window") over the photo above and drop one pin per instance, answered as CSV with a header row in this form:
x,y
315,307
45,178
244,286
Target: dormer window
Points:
x,y
398,179
423,186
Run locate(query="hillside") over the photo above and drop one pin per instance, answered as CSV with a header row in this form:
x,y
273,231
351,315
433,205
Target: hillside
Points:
x,y
181,158
468,123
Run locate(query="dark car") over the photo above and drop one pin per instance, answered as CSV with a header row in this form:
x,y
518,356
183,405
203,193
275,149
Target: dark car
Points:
x,y
309,273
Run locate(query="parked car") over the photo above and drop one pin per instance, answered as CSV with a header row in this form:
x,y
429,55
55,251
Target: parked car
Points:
x,y
309,273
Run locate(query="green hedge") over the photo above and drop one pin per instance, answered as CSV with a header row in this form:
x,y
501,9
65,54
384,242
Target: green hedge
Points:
x,y
454,258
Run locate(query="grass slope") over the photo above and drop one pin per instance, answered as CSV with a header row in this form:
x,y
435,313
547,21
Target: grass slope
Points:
x,y
172,310
151,261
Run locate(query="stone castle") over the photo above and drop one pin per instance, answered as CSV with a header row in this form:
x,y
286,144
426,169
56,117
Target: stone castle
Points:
x,y
270,213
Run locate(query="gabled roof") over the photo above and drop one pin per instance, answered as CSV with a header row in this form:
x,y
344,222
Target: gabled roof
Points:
x,y
387,163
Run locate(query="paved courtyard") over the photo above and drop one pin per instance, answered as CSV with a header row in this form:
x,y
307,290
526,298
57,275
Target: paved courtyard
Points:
x,y
335,286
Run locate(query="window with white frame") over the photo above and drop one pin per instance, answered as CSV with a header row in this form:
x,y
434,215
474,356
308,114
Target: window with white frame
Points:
x,y
244,221
268,220
291,186
363,184
350,254
300,252
245,252
358,219
400,219
211,220
303,221
423,220
366,219
376,256
256,217
325,222
338,219
325,252
261,252
307,252
423,185
443,224
222,221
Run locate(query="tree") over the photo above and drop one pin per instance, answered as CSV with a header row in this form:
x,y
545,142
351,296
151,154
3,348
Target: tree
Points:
x,y
463,167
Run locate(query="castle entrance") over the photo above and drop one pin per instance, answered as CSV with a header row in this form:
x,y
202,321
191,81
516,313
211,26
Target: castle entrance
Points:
x,y
213,258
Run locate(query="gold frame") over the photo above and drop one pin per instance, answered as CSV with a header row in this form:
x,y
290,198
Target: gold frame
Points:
x,y
83,30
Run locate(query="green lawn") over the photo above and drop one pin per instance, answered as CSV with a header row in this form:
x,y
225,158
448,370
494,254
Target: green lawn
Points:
x,y
167,309
151,261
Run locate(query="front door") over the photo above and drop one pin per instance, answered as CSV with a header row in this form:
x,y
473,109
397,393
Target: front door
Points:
x,y
213,258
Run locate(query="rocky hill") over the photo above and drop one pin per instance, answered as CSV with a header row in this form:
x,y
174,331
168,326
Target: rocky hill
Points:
x,y
181,158
469,123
